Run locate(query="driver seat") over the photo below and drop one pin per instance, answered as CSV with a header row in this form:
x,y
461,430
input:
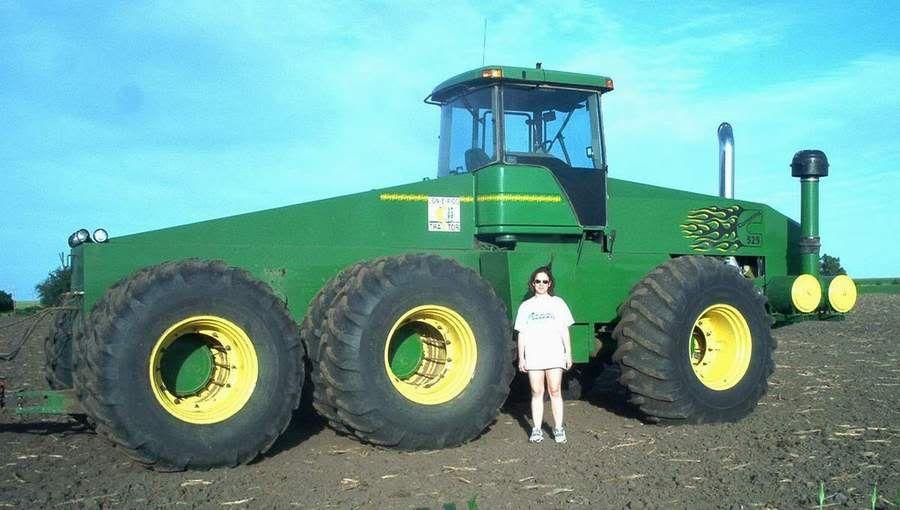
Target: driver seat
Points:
x,y
476,158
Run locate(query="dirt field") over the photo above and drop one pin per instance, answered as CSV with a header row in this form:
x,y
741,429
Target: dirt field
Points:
x,y
832,415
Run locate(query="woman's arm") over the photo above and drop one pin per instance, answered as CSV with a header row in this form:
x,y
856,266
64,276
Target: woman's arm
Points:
x,y
566,320
521,353
567,344
519,326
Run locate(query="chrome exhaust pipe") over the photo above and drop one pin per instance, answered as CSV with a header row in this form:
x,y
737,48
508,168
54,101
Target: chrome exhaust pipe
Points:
x,y
726,161
726,172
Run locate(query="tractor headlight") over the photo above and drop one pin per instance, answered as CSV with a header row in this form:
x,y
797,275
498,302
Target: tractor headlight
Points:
x,y
100,235
79,237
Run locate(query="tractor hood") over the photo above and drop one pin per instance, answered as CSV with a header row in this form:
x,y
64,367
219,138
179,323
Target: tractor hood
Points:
x,y
296,248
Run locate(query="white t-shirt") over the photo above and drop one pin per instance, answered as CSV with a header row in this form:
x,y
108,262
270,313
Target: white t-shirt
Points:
x,y
541,321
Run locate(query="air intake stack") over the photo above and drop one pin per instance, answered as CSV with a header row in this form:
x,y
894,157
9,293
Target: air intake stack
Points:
x,y
809,166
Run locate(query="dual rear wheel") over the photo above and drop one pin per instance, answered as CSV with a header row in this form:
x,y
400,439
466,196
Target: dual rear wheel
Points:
x,y
190,365
416,352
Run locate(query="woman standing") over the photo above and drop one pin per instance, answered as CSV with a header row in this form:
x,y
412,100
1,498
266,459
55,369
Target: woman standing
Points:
x,y
545,350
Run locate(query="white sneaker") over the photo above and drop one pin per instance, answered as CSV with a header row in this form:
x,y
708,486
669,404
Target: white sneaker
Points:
x,y
559,435
537,435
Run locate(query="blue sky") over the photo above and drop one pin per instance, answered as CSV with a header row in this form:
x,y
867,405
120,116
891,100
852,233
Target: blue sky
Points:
x,y
135,116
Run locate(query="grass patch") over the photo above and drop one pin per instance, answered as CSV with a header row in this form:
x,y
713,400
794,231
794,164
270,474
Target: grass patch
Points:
x,y
24,308
873,498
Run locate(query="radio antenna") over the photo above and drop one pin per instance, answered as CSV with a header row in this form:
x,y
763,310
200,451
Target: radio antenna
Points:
x,y
484,43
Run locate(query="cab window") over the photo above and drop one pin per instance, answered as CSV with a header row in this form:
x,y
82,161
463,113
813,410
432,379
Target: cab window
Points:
x,y
467,133
541,122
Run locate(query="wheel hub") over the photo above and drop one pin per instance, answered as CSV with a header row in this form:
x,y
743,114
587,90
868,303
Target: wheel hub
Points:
x,y
720,347
430,354
407,349
203,369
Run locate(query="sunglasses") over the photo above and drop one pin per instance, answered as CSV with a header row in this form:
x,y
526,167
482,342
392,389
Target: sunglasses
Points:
x,y
545,282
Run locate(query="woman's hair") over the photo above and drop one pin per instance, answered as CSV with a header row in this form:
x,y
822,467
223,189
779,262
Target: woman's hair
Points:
x,y
545,270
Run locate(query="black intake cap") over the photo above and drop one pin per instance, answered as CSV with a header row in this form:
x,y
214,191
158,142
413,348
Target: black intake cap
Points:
x,y
809,163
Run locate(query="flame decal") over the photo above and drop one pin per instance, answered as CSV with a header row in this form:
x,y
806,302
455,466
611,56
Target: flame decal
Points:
x,y
713,228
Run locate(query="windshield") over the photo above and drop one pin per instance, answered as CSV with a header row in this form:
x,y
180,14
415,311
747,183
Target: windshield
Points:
x,y
467,133
541,122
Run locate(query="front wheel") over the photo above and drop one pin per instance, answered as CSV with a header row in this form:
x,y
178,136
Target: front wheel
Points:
x,y
694,343
190,364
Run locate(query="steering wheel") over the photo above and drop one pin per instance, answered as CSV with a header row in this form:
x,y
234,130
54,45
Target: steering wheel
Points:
x,y
545,146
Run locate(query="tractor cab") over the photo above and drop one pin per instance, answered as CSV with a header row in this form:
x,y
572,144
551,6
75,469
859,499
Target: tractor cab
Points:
x,y
516,116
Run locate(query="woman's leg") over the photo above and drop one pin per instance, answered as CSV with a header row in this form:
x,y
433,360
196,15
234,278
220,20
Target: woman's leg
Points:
x,y
554,387
536,379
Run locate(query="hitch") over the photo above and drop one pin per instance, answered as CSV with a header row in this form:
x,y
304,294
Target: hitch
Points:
x,y
47,402
41,401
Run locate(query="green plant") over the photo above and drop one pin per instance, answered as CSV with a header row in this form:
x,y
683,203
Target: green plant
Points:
x,y
52,288
874,498
830,266
821,494
6,301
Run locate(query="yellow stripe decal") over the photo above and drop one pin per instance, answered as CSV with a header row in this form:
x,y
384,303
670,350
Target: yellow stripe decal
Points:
x,y
407,197
514,197
403,197
499,197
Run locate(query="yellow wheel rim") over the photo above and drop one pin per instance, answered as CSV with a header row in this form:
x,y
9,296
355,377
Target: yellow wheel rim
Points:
x,y
720,347
806,293
430,354
842,293
203,369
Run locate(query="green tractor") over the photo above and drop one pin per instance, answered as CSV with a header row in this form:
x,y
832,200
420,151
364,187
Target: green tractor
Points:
x,y
188,347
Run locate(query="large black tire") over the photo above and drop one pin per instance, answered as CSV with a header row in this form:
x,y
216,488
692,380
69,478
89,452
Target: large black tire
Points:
x,y
254,360
58,344
662,343
311,332
441,301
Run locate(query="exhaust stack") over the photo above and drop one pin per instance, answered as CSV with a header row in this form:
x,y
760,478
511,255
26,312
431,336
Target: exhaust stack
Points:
x,y
726,161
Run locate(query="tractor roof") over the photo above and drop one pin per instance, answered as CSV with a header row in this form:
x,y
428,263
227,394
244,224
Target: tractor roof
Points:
x,y
529,75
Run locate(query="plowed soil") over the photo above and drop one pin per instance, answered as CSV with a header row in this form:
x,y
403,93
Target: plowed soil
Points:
x,y
832,415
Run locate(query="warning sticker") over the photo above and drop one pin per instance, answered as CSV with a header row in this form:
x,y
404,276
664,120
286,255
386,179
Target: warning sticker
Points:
x,y
443,214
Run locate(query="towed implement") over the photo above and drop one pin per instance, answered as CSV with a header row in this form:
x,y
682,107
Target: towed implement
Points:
x,y
189,346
